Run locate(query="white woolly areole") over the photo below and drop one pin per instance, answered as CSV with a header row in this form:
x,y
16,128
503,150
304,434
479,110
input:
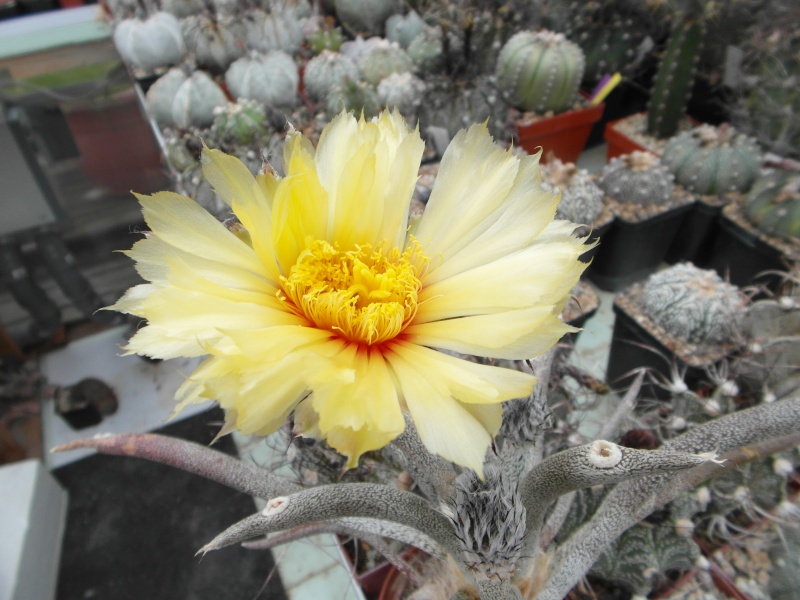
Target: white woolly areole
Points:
x,y
275,506
604,455
782,467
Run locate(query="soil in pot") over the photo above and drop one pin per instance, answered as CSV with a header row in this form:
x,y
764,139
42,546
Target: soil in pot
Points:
x,y
630,133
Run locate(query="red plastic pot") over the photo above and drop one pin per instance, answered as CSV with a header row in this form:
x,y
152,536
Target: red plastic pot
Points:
x,y
619,143
118,150
564,135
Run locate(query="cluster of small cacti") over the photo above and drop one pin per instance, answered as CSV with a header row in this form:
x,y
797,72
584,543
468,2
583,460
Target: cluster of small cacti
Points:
x,y
540,71
638,178
693,305
773,205
712,160
581,197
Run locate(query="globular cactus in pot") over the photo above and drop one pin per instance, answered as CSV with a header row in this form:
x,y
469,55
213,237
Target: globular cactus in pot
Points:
x,y
773,205
152,43
712,160
354,95
581,197
160,96
326,38
196,100
402,29
214,43
325,72
271,79
405,91
241,123
540,71
637,178
693,305
382,59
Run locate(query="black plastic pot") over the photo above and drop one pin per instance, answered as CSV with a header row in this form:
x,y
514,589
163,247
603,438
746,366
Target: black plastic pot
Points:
x,y
631,251
742,257
633,347
694,240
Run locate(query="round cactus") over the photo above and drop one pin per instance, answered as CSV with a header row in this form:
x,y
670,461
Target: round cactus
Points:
x,y
353,95
281,30
241,123
182,8
581,198
365,17
325,72
712,160
327,38
540,71
196,100
178,153
693,305
426,50
773,204
271,79
637,178
402,29
214,43
402,90
381,60
150,44
161,95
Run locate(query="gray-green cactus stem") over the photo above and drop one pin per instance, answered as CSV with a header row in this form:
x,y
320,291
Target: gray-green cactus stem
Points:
x,y
191,457
433,474
631,501
361,500
498,589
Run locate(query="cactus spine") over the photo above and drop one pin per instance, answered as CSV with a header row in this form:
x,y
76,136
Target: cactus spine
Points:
x,y
675,78
637,178
713,160
540,71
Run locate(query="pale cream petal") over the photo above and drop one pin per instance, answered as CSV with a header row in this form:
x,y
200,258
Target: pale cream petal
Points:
x,y
467,381
542,274
158,342
514,335
485,203
133,299
353,444
271,343
183,223
233,182
444,425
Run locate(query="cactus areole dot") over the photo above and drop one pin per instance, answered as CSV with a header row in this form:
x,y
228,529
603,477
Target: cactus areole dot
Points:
x,y
604,455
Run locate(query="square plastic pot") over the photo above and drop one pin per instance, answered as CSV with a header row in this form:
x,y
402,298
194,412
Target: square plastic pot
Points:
x,y
564,135
742,256
694,240
631,251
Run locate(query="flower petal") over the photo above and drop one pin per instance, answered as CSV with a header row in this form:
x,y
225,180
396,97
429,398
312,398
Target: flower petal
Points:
x,y
445,426
514,335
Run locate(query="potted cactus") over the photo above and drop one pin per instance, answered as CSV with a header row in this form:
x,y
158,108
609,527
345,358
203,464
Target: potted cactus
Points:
x,y
539,75
687,315
649,207
761,232
716,164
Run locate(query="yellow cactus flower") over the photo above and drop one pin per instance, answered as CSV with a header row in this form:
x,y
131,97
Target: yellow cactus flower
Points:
x,y
320,301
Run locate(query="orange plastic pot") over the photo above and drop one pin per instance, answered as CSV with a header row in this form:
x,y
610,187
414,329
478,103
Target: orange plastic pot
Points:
x,y
564,135
619,143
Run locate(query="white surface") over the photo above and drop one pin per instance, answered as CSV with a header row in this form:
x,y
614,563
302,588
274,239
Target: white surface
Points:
x,y
32,514
145,390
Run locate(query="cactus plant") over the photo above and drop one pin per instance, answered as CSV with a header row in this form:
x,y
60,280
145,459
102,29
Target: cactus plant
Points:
x,y
382,59
426,50
402,29
325,72
214,43
353,95
241,123
637,178
271,79
404,91
581,197
152,43
540,71
196,100
773,204
161,95
365,17
712,160
693,305
280,30
326,38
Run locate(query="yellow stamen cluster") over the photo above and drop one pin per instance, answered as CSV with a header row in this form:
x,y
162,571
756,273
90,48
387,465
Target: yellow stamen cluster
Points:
x,y
367,295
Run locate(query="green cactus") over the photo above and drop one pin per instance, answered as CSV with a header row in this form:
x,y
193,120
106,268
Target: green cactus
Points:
x,y
281,30
581,198
381,60
178,152
404,91
365,17
426,50
327,38
712,160
637,178
693,305
402,29
160,96
540,71
271,79
675,78
325,72
773,204
241,123
196,100
353,95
